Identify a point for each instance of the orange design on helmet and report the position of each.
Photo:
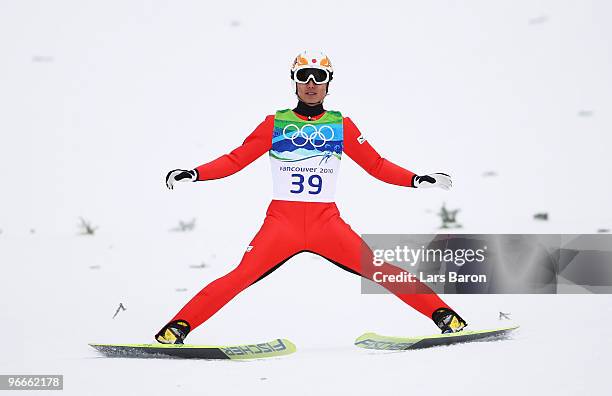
(314, 59)
(300, 61)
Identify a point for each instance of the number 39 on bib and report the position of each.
(305, 156)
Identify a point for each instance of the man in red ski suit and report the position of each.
(305, 147)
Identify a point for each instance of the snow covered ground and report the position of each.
(100, 99)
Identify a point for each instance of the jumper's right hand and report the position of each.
(180, 175)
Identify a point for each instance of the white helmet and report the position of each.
(313, 60)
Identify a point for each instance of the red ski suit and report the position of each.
(291, 227)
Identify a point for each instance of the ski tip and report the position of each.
(290, 345)
(364, 336)
(506, 329)
(514, 327)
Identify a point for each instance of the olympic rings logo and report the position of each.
(312, 137)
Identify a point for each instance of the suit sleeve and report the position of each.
(256, 144)
(365, 156)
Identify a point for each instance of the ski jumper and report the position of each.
(302, 217)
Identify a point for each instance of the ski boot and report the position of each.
(173, 333)
(448, 320)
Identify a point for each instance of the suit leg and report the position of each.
(336, 241)
(268, 250)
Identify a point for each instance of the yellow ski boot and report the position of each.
(448, 320)
(173, 333)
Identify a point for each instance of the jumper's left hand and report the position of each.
(441, 180)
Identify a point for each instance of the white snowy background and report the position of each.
(99, 99)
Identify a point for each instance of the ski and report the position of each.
(278, 347)
(377, 341)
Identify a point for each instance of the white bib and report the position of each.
(305, 156)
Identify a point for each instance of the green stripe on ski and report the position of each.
(377, 341)
(278, 347)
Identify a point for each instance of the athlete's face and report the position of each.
(311, 93)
